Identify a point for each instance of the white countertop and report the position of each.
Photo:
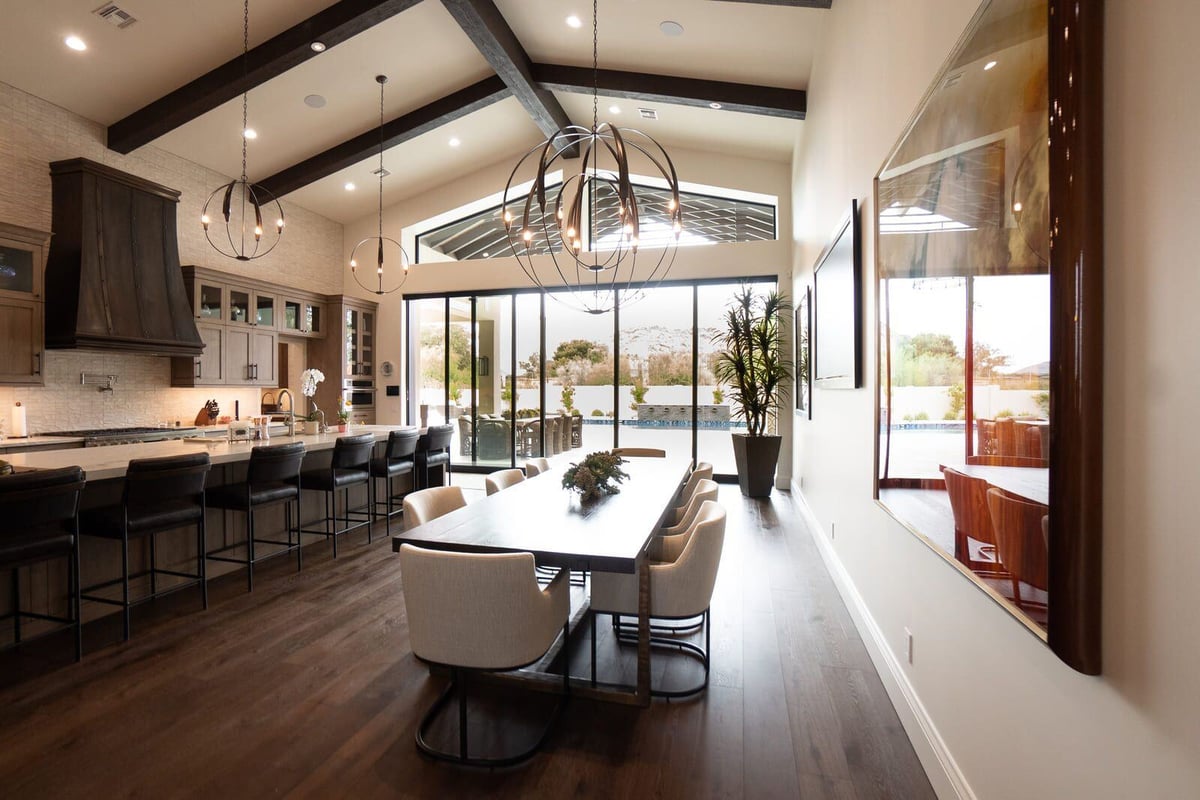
(40, 441)
(104, 463)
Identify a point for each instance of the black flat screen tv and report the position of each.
(837, 307)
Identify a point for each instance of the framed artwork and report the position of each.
(804, 353)
(837, 300)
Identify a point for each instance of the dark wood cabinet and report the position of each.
(22, 271)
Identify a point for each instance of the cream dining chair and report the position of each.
(702, 472)
(639, 452)
(427, 504)
(536, 466)
(502, 479)
(679, 589)
(479, 612)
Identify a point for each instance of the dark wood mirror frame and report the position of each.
(1075, 39)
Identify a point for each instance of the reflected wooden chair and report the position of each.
(502, 479)
(1021, 542)
(639, 452)
(972, 521)
(680, 589)
(479, 612)
(494, 439)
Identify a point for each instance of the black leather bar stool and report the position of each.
(350, 466)
(160, 494)
(397, 460)
(433, 452)
(39, 521)
(272, 477)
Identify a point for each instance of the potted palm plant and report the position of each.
(752, 361)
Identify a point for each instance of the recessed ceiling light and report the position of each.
(349, 187)
(317, 47)
(314, 101)
(250, 133)
(574, 21)
(455, 141)
(670, 28)
(614, 109)
(75, 43)
(988, 65)
(714, 105)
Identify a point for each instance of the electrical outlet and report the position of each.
(833, 530)
(909, 638)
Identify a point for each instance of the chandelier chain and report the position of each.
(595, 68)
(245, 49)
(381, 82)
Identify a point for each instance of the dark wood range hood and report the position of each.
(112, 277)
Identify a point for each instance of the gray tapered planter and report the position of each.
(756, 457)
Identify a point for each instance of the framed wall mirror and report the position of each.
(989, 319)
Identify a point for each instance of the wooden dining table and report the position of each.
(1030, 483)
(539, 516)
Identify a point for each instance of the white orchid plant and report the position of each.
(308, 387)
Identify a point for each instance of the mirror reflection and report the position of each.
(964, 312)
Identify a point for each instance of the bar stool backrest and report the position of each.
(353, 452)
(401, 445)
(275, 463)
(438, 437)
(42, 499)
(151, 482)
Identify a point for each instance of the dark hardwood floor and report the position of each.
(306, 688)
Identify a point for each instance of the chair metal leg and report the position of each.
(77, 614)
(16, 603)
(460, 679)
(202, 559)
(387, 524)
(593, 649)
(250, 548)
(370, 505)
(153, 562)
(125, 582)
(299, 536)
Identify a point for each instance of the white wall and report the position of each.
(1016, 721)
(716, 169)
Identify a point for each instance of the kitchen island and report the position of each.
(44, 586)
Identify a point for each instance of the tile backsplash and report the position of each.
(142, 394)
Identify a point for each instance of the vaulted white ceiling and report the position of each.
(426, 56)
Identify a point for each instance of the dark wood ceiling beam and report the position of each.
(399, 130)
(489, 32)
(273, 57)
(765, 100)
(793, 3)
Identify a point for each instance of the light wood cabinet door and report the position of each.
(237, 357)
(264, 352)
(206, 369)
(22, 335)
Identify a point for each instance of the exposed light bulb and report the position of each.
(574, 21)
(250, 133)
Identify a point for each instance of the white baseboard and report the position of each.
(943, 771)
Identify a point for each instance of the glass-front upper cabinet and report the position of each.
(299, 317)
(240, 306)
(366, 344)
(264, 310)
(22, 261)
(351, 342)
(209, 301)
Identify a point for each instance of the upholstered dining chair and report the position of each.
(428, 504)
(1021, 543)
(502, 479)
(702, 472)
(479, 612)
(536, 466)
(706, 489)
(639, 452)
(679, 589)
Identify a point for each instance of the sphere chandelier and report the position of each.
(592, 252)
(380, 240)
(243, 203)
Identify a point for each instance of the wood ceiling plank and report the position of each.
(489, 32)
(399, 130)
(769, 101)
(793, 3)
(273, 57)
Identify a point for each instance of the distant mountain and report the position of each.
(655, 339)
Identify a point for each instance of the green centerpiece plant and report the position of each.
(597, 475)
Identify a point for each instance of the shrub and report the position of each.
(1005, 412)
(921, 415)
(597, 412)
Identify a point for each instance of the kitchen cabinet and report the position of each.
(252, 307)
(22, 308)
(299, 317)
(21, 332)
(360, 342)
(350, 355)
(206, 369)
(208, 300)
(251, 357)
